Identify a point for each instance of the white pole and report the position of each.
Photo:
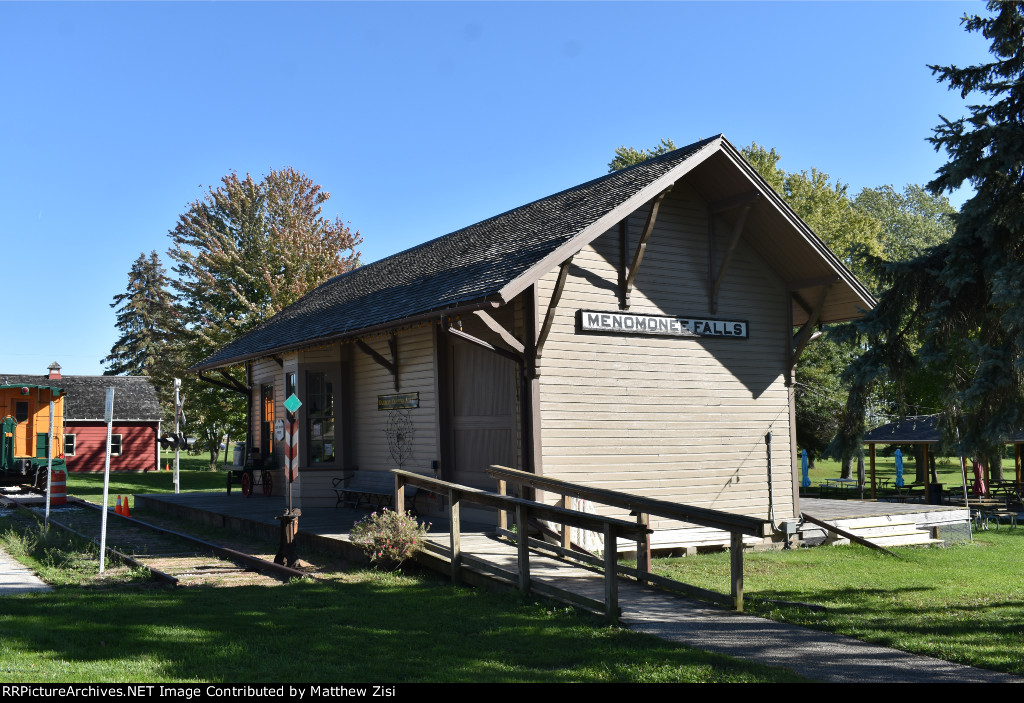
(49, 469)
(177, 412)
(108, 415)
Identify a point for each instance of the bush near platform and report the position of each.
(389, 537)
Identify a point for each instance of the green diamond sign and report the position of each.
(293, 403)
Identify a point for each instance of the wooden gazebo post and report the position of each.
(872, 445)
(927, 473)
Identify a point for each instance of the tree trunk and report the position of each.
(995, 465)
(847, 469)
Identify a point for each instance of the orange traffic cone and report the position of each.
(124, 508)
(117, 508)
(167, 465)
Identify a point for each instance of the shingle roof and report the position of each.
(912, 430)
(921, 429)
(471, 264)
(84, 396)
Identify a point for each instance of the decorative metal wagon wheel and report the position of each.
(249, 482)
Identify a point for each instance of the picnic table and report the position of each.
(838, 484)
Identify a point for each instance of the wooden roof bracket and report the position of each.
(231, 384)
(716, 282)
(801, 338)
(494, 326)
(279, 360)
(514, 356)
(628, 275)
(549, 316)
(391, 366)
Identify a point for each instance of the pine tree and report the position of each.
(144, 316)
(965, 298)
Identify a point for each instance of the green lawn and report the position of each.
(963, 603)
(194, 475)
(358, 626)
(946, 468)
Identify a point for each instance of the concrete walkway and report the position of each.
(15, 578)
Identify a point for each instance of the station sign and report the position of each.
(660, 325)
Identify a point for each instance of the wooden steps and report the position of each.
(884, 531)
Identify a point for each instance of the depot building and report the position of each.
(637, 332)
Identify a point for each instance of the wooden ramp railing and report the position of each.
(643, 508)
(523, 509)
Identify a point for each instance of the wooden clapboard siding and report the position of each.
(673, 418)
(263, 372)
(416, 374)
(137, 446)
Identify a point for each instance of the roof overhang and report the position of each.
(55, 390)
(436, 313)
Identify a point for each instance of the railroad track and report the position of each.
(172, 557)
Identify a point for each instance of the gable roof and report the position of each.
(492, 261)
(85, 396)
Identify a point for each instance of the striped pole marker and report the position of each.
(291, 451)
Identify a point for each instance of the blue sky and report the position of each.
(418, 118)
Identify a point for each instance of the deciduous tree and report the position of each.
(242, 253)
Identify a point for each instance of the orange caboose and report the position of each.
(25, 429)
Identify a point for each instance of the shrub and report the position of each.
(389, 538)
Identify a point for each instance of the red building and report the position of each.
(136, 424)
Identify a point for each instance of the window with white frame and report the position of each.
(69, 445)
(115, 445)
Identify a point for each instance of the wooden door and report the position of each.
(23, 412)
(484, 413)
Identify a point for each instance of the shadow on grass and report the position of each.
(378, 628)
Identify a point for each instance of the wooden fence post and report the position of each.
(736, 563)
(611, 577)
(566, 533)
(399, 501)
(524, 551)
(502, 515)
(643, 549)
(456, 532)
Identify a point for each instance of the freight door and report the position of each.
(484, 416)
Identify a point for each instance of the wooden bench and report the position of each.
(374, 489)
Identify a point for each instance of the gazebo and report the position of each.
(923, 431)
